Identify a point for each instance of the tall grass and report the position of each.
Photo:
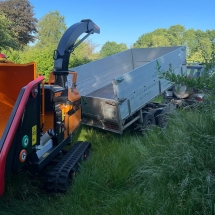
(167, 171)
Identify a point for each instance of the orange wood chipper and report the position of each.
(37, 120)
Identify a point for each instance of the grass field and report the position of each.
(162, 172)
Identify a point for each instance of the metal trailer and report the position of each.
(117, 91)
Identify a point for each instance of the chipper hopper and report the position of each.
(37, 120)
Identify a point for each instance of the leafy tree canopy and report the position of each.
(51, 28)
(22, 22)
(199, 43)
(6, 36)
(110, 48)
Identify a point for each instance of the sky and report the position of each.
(124, 21)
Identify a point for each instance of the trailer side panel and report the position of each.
(142, 84)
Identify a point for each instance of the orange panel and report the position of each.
(51, 78)
(12, 78)
(71, 122)
(75, 120)
(73, 95)
(49, 121)
(5, 112)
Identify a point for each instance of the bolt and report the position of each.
(35, 91)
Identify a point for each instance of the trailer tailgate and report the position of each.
(100, 112)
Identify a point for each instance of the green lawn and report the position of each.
(162, 172)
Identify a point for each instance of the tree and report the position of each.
(176, 35)
(205, 47)
(190, 42)
(159, 37)
(6, 36)
(159, 40)
(91, 49)
(42, 51)
(50, 29)
(110, 48)
(211, 35)
(144, 41)
(197, 42)
(22, 21)
(196, 56)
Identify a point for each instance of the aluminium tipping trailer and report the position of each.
(116, 89)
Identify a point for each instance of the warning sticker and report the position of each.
(34, 134)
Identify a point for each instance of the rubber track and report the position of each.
(59, 177)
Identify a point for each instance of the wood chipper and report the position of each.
(37, 120)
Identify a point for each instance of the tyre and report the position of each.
(161, 119)
(148, 120)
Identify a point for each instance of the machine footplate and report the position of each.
(61, 175)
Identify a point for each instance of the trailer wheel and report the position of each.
(161, 118)
(148, 120)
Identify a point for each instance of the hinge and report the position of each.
(121, 100)
(120, 79)
(183, 48)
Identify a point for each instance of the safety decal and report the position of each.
(34, 134)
